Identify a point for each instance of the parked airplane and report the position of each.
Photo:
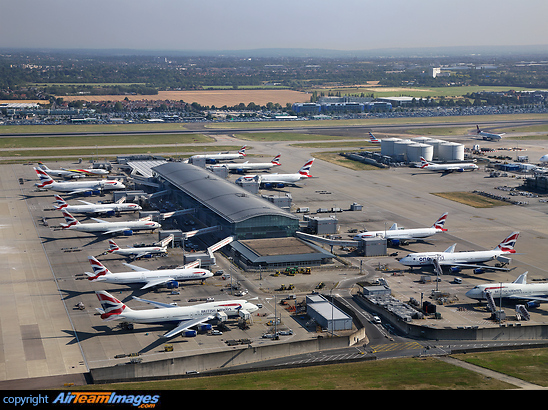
(248, 166)
(105, 227)
(518, 290)
(75, 187)
(447, 167)
(373, 139)
(64, 173)
(487, 135)
(463, 259)
(221, 156)
(395, 234)
(282, 179)
(90, 208)
(544, 158)
(90, 171)
(185, 316)
(167, 277)
(138, 252)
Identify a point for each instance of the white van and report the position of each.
(458, 280)
(377, 320)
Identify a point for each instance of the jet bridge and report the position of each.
(366, 246)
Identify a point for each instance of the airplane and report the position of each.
(247, 166)
(136, 253)
(151, 278)
(90, 171)
(519, 290)
(64, 173)
(395, 234)
(544, 158)
(90, 208)
(105, 227)
(281, 179)
(221, 156)
(487, 135)
(373, 139)
(461, 167)
(76, 187)
(463, 259)
(185, 316)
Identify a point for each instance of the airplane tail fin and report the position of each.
(478, 129)
(521, 279)
(112, 308)
(276, 160)
(424, 162)
(45, 179)
(440, 223)
(69, 219)
(61, 204)
(451, 249)
(507, 245)
(112, 246)
(394, 227)
(242, 151)
(305, 169)
(373, 139)
(43, 166)
(99, 269)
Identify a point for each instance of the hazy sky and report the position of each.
(249, 24)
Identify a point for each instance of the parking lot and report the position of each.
(44, 333)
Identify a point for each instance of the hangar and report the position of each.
(218, 202)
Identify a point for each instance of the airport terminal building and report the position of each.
(218, 202)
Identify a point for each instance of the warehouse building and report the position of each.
(327, 315)
(220, 203)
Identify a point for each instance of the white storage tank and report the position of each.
(416, 151)
(400, 149)
(451, 151)
(421, 140)
(387, 146)
(436, 145)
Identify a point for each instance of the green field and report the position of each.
(471, 199)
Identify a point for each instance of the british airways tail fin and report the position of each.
(70, 220)
(507, 245)
(111, 308)
(276, 160)
(440, 222)
(305, 169)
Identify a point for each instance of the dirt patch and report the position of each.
(217, 98)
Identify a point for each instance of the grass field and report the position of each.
(471, 199)
(396, 374)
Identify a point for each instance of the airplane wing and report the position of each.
(184, 325)
(468, 265)
(153, 302)
(99, 220)
(80, 191)
(531, 298)
(156, 282)
(116, 230)
(85, 202)
(136, 268)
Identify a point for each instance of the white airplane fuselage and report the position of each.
(402, 234)
(248, 166)
(154, 250)
(109, 226)
(85, 185)
(177, 314)
(446, 258)
(102, 208)
(218, 157)
(509, 290)
(451, 167)
(179, 275)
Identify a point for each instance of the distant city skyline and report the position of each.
(245, 24)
